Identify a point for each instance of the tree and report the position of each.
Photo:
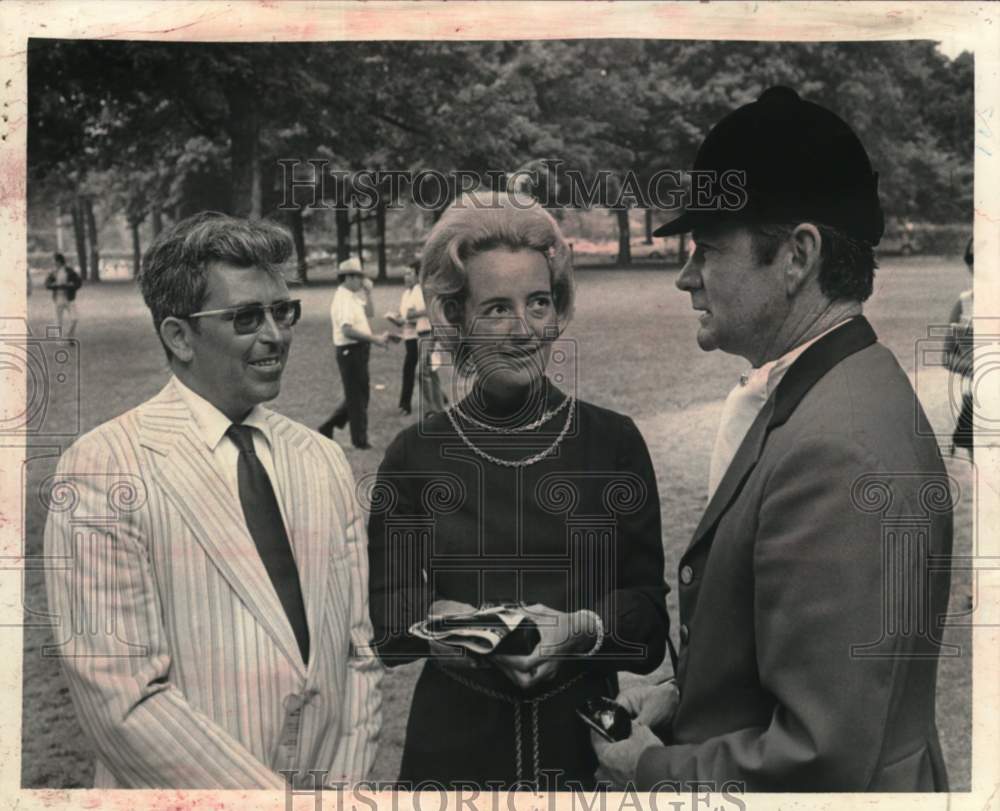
(609, 144)
(80, 237)
(188, 126)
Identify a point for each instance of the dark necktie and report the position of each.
(263, 517)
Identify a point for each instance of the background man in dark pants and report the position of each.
(352, 339)
(958, 351)
(412, 317)
(64, 281)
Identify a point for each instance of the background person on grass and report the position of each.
(959, 353)
(412, 317)
(64, 281)
(352, 339)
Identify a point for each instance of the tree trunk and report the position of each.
(94, 254)
(244, 159)
(649, 226)
(361, 242)
(136, 249)
(343, 233)
(624, 238)
(380, 241)
(59, 230)
(81, 238)
(157, 219)
(299, 238)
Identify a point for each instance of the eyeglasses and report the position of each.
(249, 318)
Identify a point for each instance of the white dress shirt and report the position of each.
(413, 297)
(348, 308)
(744, 404)
(211, 426)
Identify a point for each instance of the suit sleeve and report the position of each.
(113, 647)
(362, 702)
(634, 614)
(818, 573)
(399, 595)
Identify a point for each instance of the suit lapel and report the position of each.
(184, 469)
(311, 537)
(737, 473)
(803, 374)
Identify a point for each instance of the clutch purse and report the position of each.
(607, 718)
(505, 629)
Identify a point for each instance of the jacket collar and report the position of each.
(185, 471)
(853, 336)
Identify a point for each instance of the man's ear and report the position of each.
(176, 334)
(804, 258)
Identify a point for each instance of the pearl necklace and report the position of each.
(528, 460)
(548, 415)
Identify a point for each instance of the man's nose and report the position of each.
(688, 278)
(515, 324)
(270, 331)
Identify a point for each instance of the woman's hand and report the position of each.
(523, 671)
(447, 608)
(562, 635)
(445, 654)
(651, 704)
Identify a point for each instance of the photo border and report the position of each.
(972, 26)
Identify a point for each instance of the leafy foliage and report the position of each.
(186, 126)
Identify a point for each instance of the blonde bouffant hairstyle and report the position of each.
(483, 221)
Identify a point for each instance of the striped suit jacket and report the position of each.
(182, 665)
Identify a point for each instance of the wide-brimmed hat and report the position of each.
(803, 163)
(351, 265)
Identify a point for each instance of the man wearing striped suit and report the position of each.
(211, 597)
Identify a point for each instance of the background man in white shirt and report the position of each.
(211, 615)
(352, 339)
(810, 622)
(412, 317)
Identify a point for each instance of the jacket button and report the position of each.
(685, 634)
(687, 575)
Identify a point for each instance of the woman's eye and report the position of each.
(540, 305)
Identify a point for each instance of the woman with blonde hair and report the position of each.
(519, 494)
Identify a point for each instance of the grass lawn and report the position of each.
(634, 336)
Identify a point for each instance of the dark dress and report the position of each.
(578, 530)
